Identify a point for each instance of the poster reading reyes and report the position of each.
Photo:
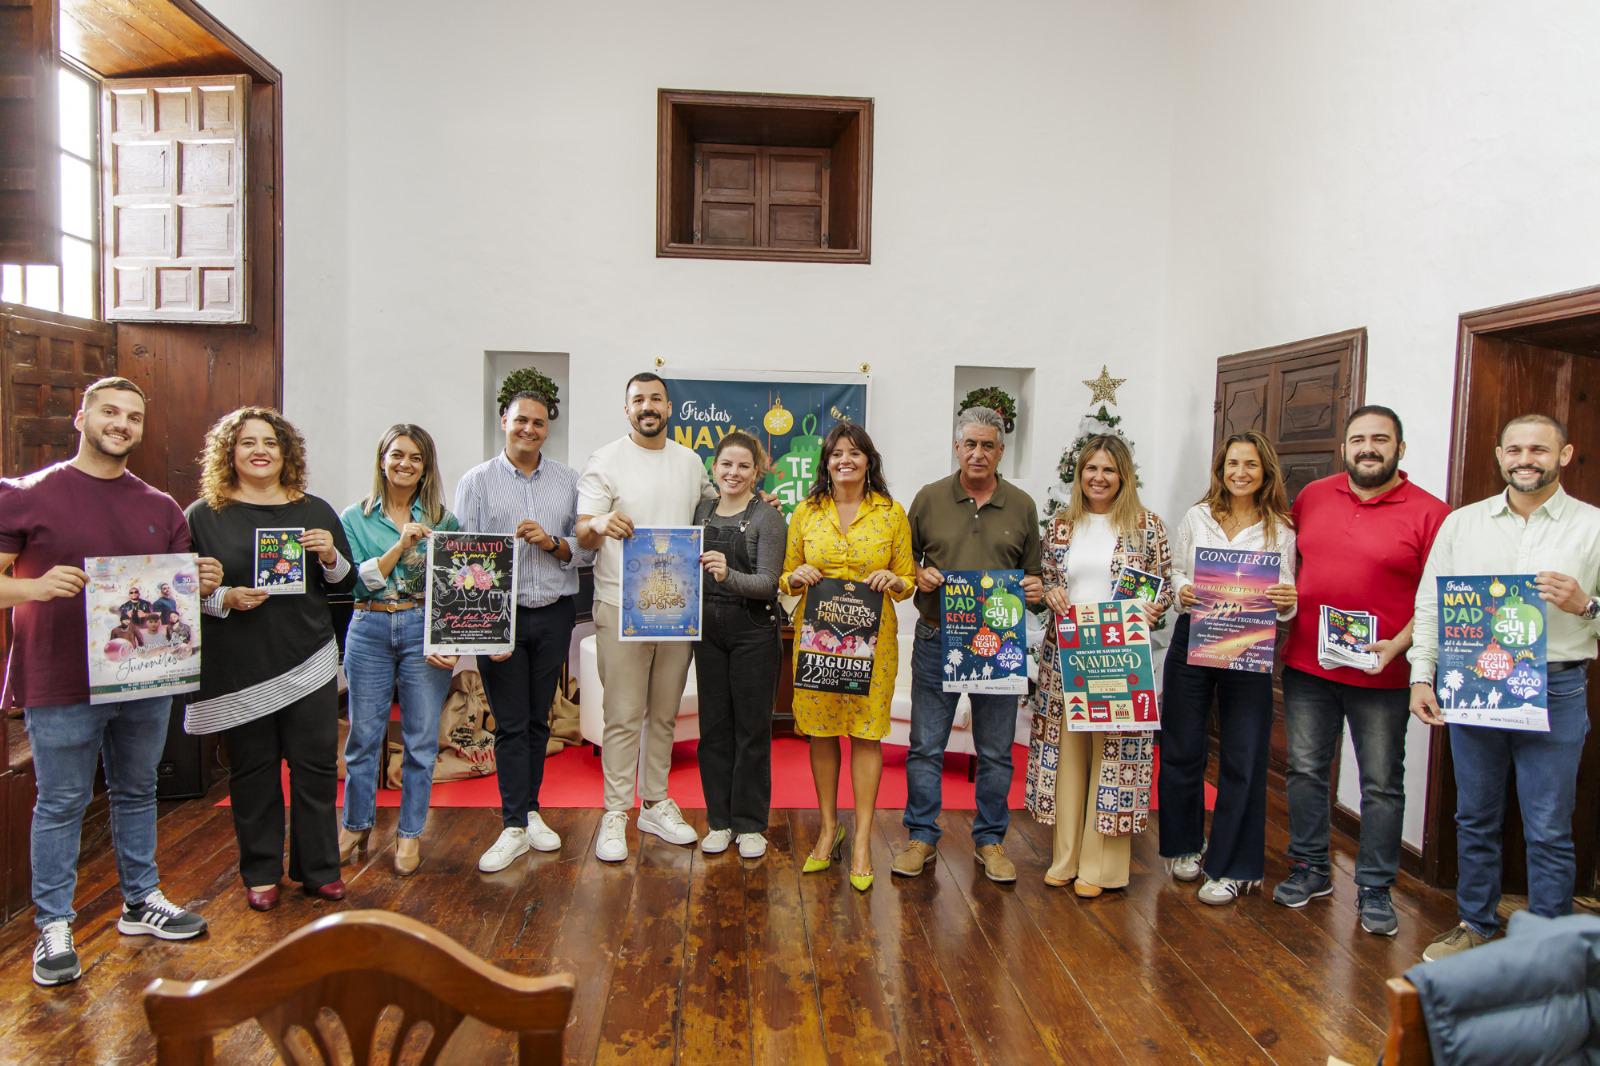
(1492, 668)
(472, 594)
(661, 584)
(1107, 674)
(984, 639)
(143, 613)
(838, 637)
(1235, 625)
(280, 561)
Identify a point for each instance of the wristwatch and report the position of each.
(555, 546)
(1591, 612)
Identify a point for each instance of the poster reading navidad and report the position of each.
(280, 561)
(838, 637)
(472, 594)
(1107, 673)
(789, 414)
(143, 613)
(985, 643)
(1492, 668)
(661, 584)
(1235, 625)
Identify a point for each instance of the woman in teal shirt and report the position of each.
(383, 648)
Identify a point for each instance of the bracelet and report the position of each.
(1428, 683)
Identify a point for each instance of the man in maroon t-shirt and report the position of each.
(50, 522)
(1363, 537)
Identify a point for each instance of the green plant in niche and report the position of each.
(528, 379)
(996, 399)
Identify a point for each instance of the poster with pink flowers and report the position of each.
(472, 594)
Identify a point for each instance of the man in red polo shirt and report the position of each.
(1363, 537)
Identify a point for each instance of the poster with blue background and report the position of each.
(1492, 669)
(661, 584)
(789, 414)
(985, 642)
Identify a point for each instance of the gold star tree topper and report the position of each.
(1104, 387)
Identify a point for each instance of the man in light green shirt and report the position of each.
(1532, 527)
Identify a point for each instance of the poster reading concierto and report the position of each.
(143, 614)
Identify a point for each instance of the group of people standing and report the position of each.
(1364, 536)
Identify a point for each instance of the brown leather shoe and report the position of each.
(407, 856)
(261, 899)
(918, 853)
(992, 857)
(350, 842)
(333, 890)
(1085, 890)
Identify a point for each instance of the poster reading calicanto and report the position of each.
(1235, 625)
(838, 637)
(1107, 674)
(143, 614)
(472, 594)
(985, 642)
(1492, 668)
(661, 584)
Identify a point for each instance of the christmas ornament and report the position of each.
(1001, 610)
(985, 642)
(1517, 623)
(793, 472)
(1495, 662)
(1525, 681)
(777, 420)
(1104, 387)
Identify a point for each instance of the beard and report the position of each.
(109, 448)
(1377, 477)
(1546, 477)
(649, 431)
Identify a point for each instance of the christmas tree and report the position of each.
(1096, 424)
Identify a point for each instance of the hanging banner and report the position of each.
(789, 414)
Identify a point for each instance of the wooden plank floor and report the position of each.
(681, 958)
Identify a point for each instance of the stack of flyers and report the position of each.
(1340, 635)
(1135, 584)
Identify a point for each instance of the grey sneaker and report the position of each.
(1185, 867)
(55, 961)
(1302, 886)
(159, 917)
(1377, 911)
(1220, 891)
(1453, 942)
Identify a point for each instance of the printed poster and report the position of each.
(1107, 673)
(985, 642)
(838, 637)
(143, 614)
(789, 414)
(280, 561)
(1235, 625)
(661, 584)
(471, 594)
(1136, 584)
(1492, 669)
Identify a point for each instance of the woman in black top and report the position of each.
(736, 660)
(268, 669)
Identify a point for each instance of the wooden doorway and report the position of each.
(1298, 395)
(1540, 355)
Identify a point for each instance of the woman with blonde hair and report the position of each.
(1245, 508)
(267, 678)
(1102, 529)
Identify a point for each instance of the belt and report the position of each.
(1569, 664)
(386, 606)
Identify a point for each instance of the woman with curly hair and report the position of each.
(267, 678)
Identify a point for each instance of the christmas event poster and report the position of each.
(143, 614)
(1235, 625)
(1492, 669)
(661, 584)
(1107, 672)
(471, 599)
(1135, 584)
(280, 561)
(985, 641)
(838, 637)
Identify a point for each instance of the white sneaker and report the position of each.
(504, 851)
(1219, 891)
(752, 845)
(611, 843)
(716, 842)
(666, 821)
(540, 836)
(1185, 867)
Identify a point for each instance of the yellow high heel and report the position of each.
(861, 882)
(816, 865)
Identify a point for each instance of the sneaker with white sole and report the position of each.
(1185, 867)
(716, 842)
(540, 836)
(512, 843)
(55, 961)
(159, 917)
(751, 845)
(1219, 891)
(666, 821)
(611, 842)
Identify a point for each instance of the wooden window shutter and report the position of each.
(30, 173)
(173, 199)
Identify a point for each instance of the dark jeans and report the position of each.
(305, 734)
(933, 712)
(1317, 710)
(520, 690)
(1238, 844)
(1545, 766)
(736, 673)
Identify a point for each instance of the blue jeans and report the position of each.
(380, 651)
(68, 740)
(1316, 710)
(933, 712)
(1546, 775)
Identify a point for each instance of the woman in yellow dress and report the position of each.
(849, 527)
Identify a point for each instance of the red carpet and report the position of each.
(573, 779)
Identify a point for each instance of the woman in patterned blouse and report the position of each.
(1103, 529)
(849, 527)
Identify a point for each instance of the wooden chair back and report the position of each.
(1407, 1041)
(357, 964)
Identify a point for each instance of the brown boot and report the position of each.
(407, 855)
(918, 853)
(992, 857)
(350, 842)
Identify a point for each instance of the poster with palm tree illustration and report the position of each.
(1492, 669)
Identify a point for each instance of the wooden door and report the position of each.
(752, 197)
(1298, 396)
(30, 207)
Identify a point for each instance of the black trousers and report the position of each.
(1238, 844)
(736, 672)
(520, 690)
(305, 734)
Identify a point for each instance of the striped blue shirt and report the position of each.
(493, 497)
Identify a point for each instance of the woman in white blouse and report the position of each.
(1245, 509)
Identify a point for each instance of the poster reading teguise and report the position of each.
(472, 594)
(661, 584)
(1492, 668)
(1107, 674)
(144, 626)
(838, 637)
(1235, 625)
(985, 645)
(280, 561)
